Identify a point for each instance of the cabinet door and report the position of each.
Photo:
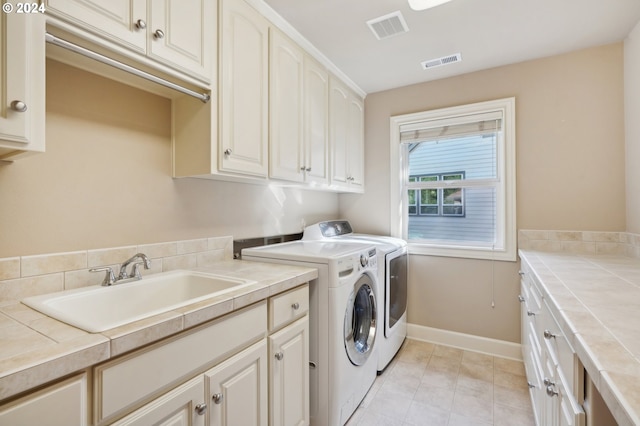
(22, 83)
(316, 122)
(338, 128)
(286, 156)
(118, 20)
(237, 389)
(289, 375)
(62, 404)
(183, 406)
(182, 34)
(355, 143)
(243, 90)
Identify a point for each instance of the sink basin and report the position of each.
(97, 308)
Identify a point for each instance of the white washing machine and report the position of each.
(392, 280)
(343, 321)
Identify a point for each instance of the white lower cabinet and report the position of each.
(289, 373)
(554, 374)
(183, 406)
(62, 404)
(237, 389)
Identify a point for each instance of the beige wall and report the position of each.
(570, 175)
(632, 127)
(105, 180)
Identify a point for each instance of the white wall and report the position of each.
(632, 127)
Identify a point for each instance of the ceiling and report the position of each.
(487, 33)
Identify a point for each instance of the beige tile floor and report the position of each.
(433, 385)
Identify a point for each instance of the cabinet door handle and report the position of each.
(279, 356)
(218, 398)
(18, 106)
(521, 273)
(549, 335)
(228, 152)
(531, 385)
(551, 392)
(158, 34)
(531, 314)
(520, 298)
(201, 409)
(547, 382)
(140, 24)
(295, 306)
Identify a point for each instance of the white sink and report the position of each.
(97, 308)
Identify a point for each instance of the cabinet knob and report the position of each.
(531, 314)
(520, 298)
(295, 306)
(218, 398)
(547, 382)
(521, 273)
(18, 106)
(549, 335)
(228, 152)
(140, 24)
(531, 385)
(551, 391)
(308, 169)
(279, 356)
(201, 409)
(158, 34)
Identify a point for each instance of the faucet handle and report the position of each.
(109, 278)
(135, 272)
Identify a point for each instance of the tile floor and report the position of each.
(432, 385)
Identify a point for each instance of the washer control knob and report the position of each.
(364, 260)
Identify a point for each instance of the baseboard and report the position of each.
(468, 342)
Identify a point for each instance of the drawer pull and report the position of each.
(531, 314)
(551, 392)
(217, 398)
(140, 24)
(279, 356)
(520, 298)
(201, 409)
(295, 306)
(549, 335)
(521, 273)
(18, 106)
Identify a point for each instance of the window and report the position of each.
(436, 202)
(454, 194)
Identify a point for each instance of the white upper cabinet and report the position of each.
(286, 147)
(316, 122)
(244, 90)
(346, 124)
(178, 33)
(299, 124)
(22, 84)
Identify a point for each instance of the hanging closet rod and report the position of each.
(50, 38)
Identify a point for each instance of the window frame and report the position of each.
(506, 245)
(440, 205)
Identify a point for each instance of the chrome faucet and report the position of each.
(136, 260)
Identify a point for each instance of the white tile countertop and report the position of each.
(597, 299)
(36, 349)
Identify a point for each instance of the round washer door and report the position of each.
(360, 321)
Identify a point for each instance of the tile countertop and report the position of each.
(596, 299)
(36, 349)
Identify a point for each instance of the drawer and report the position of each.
(558, 346)
(127, 382)
(289, 306)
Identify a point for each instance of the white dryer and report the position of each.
(343, 321)
(392, 280)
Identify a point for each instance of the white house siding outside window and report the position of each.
(453, 180)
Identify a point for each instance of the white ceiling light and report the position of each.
(425, 4)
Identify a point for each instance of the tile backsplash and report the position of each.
(26, 276)
(581, 242)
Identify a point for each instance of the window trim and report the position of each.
(505, 204)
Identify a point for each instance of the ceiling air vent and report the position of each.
(445, 60)
(388, 25)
